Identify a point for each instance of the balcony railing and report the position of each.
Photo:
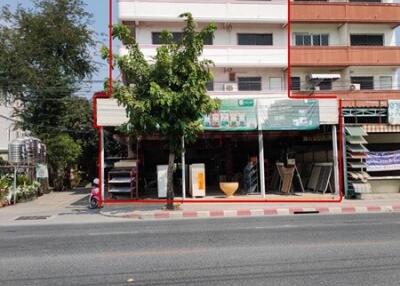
(344, 12)
(234, 88)
(357, 98)
(341, 56)
(234, 56)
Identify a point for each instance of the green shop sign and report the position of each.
(233, 115)
(272, 114)
(288, 114)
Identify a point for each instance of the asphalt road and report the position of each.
(302, 250)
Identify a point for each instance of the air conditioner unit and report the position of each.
(355, 86)
(230, 87)
(317, 88)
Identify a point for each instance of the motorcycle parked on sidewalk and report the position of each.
(94, 197)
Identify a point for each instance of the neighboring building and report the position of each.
(349, 49)
(7, 129)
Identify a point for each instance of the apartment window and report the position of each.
(210, 85)
(249, 83)
(275, 83)
(325, 84)
(366, 40)
(365, 82)
(295, 83)
(177, 38)
(255, 39)
(311, 39)
(385, 82)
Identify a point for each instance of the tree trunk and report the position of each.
(170, 181)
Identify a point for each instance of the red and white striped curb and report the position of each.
(151, 215)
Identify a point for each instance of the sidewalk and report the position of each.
(378, 203)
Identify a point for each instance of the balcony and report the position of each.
(357, 98)
(223, 11)
(342, 56)
(342, 12)
(235, 89)
(234, 56)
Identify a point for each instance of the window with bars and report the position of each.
(305, 39)
(210, 85)
(366, 40)
(249, 83)
(255, 39)
(325, 84)
(365, 82)
(295, 83)
(176, 37)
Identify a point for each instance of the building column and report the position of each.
(261, 161)
(101, 164)
(335, 159)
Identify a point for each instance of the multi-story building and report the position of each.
(249, 50)
(348, 48)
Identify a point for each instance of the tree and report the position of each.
(63, 153)
(167, 96)
(45, 55)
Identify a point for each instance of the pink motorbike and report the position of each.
(94, 197)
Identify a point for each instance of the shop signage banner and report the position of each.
(394, 112)
(233, 115)
(383, 161)
(287, 114)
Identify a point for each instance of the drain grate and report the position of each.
(33, 217)
(306, 212)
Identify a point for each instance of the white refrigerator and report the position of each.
(197, 180)
(162, 178)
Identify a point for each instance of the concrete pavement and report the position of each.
(53, 208)
(369, 204)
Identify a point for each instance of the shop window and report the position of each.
(366, 40)
(365, 82)
(249, 83)
(302, 39)
(255, 39)
(176, 37)
(295, 83)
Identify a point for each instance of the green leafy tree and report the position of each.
(167, 96)
(45, 54)
(63, 153)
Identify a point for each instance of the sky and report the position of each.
(99, 9)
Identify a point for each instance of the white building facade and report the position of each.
(250, 47)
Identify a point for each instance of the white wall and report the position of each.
(7, 132)
(204, 10)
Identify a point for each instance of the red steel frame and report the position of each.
(315, 96)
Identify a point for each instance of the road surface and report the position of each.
(295, 250)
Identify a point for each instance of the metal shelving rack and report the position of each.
(356, 154)
(123, 180)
